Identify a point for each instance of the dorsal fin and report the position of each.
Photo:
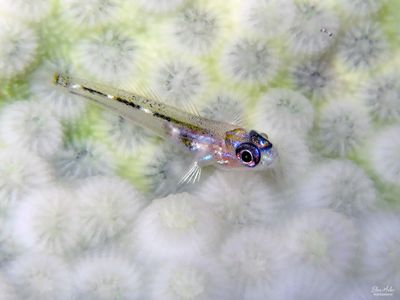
(237, 120)
(151, 93)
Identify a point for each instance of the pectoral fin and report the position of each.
(192, 175)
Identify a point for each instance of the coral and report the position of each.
(315, 78)
(7, 291)
(109, 56)
(363, 46)
(46, 221)
(293, 160)
(25, 124)
(225, 108)
(107, 207)
(190, 280)
(361, 7)
(123, 134)
(268, 18)
(196, 29)
(322, 241)
(32, 10)
(178, 81)
(254, 259)
(385, 156)
(90, 13)
(284, 110)
(40, 277)
(381, 242)
(164, 170)
(9, 249)
(175, 226)
(342, 127)
(21, 173)
(252, 202)
(314, 28)
(381, 94)
(63, 104)
(160, 6)
(18, 48)
(106, 276)
(339, 185)
(250, 60)
(82, 158)
(304, 285)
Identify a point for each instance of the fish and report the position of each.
(213, 143)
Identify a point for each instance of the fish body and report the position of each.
(212, 142)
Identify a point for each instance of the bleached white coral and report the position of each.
(381, 242)
(60, 101)
(316, 79)
(196, 29)
(225, 108)
(165, 169)
(293, 157)
(314, 28)
(322, 240)
(194, 280)
(381, 94)
(107, 207)
(386, 154)
(361, 7)
(28, 125)
(83, 158)
(90, 12)
(160, 6)
(178, 81)
(7, 291)
(268, 18)
(46, 221)
(250, 60)
(41, 277)
(363, 46)
(18, 48)
(252, 202)
(31, 10)
(21, 172)
(300, 284)
(340, 185)
(9, 248)
(284, 110)
(109, 56)
(123, 134)
(175, 226)
(108, 276)
(342, 128)
(254, 259)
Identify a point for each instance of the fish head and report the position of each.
(250, 149)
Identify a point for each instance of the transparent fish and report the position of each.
(224, 145)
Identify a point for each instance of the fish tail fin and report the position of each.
(61, 79)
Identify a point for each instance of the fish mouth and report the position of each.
(270, 156)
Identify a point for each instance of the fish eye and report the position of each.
(248, 154)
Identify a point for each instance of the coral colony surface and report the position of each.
(90, 206)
